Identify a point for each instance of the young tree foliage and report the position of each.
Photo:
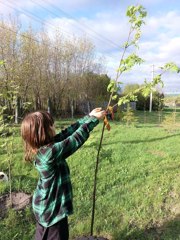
(136, 16)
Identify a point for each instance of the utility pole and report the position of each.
(17, 110)
(150, 103)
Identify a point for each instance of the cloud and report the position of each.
(106, 33)
(164, 23)
(83, 5)
(71, 5)
(5, 10)
(20, 11)
(170, 50)
(159, 44)
(106, 25)
(7, 7)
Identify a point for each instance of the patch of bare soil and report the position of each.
(19, 201)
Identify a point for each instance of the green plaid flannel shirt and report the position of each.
(52, 199)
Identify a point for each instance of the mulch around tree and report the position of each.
(19, 201)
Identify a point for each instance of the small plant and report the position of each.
(129, 116)
(118, 114)
(169, 123)
(7, 127)
(8, 116)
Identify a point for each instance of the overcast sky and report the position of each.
(105, 23)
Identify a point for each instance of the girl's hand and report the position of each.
(98, 113)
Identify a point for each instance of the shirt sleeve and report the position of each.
(71, 129)
(72, 143)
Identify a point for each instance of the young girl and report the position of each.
(52, 199)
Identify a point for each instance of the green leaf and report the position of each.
(129, 62)
(146, 91)
(130, 11)
(114, 97)
(112, 87)
(136, 15)
(172, 67)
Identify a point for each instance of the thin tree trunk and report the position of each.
(17, 110)
(95, 180)
(72, 108)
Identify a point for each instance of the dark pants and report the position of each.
(59, 231)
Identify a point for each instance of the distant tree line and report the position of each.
(49, 72)
(142, 102)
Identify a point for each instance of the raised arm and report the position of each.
(47, 157)
(71, 144)
(72, 128)
(68, 146)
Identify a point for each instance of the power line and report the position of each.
(102, 38)
(27, 37)
(29, 14)
(33, 16)
(48, 10)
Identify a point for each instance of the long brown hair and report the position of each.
(36, 130)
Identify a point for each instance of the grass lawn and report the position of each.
(138, 188)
